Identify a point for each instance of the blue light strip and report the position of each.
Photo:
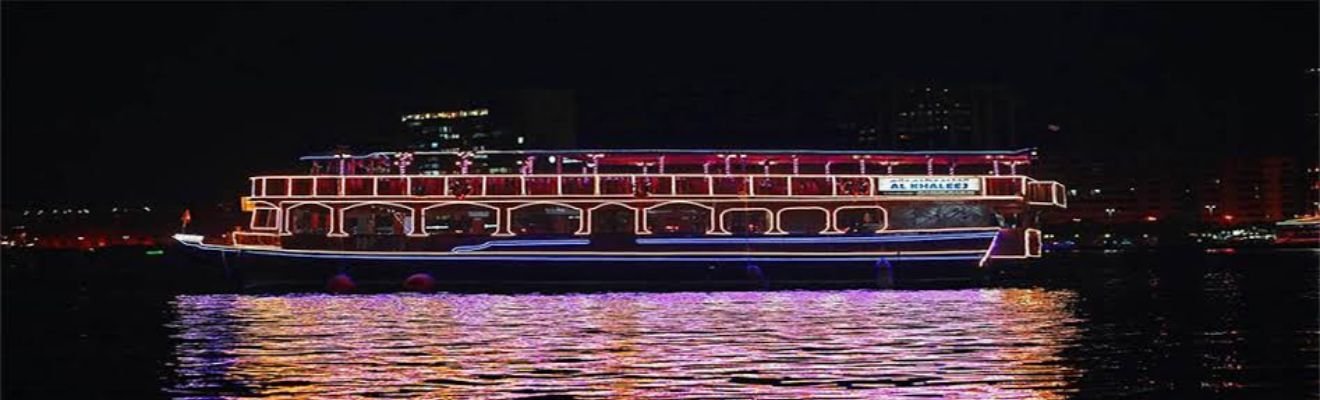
(520, 243)
(822, 239)
(610, 258)
(970, 255)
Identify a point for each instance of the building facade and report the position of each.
(526, 119)
(1237, 191)
(455, 130)
(934, 117)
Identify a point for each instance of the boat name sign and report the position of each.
(950, 185)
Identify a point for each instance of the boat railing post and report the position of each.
(502, 222)
(418, 222)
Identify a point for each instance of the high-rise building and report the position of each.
(526, 119)
(931, 117)
(455, 130)
(937, 117)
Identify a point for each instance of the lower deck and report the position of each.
(970, 245)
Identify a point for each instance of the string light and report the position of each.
(643, 194)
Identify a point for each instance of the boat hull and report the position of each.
(884, 260)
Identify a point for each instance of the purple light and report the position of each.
(823, 239)
(520, 243)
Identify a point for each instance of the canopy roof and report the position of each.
(702, 156)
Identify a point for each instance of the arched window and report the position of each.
(377, 220)
(860, 219)
(545, 219)
(746, 221)
(804, 220)
(310, 219)
(678, 218)
(461, 219)
(265, 218)
(615, 219)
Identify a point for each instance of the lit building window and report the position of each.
(520, 140)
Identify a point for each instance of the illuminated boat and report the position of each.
(1298, 232)
(619, 213)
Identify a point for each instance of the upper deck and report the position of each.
(613, 174)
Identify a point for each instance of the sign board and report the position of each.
(930, 185)
(246, 204)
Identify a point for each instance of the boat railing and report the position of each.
(634, 185)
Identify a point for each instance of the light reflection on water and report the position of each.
(987, 343)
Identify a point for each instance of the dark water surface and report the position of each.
(1102, 326)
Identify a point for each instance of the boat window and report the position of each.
(859, 219)
(264, 218)
(460, 219)
(678, 218)
(377, 220)
(613, 219)
(743, 222)
(804, 221)
(545, 219)
(309, 219)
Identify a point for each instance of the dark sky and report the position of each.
(180, 102)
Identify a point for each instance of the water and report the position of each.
(1135, 326)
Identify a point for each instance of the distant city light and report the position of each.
(448, 114)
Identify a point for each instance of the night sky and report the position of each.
(169, 103)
